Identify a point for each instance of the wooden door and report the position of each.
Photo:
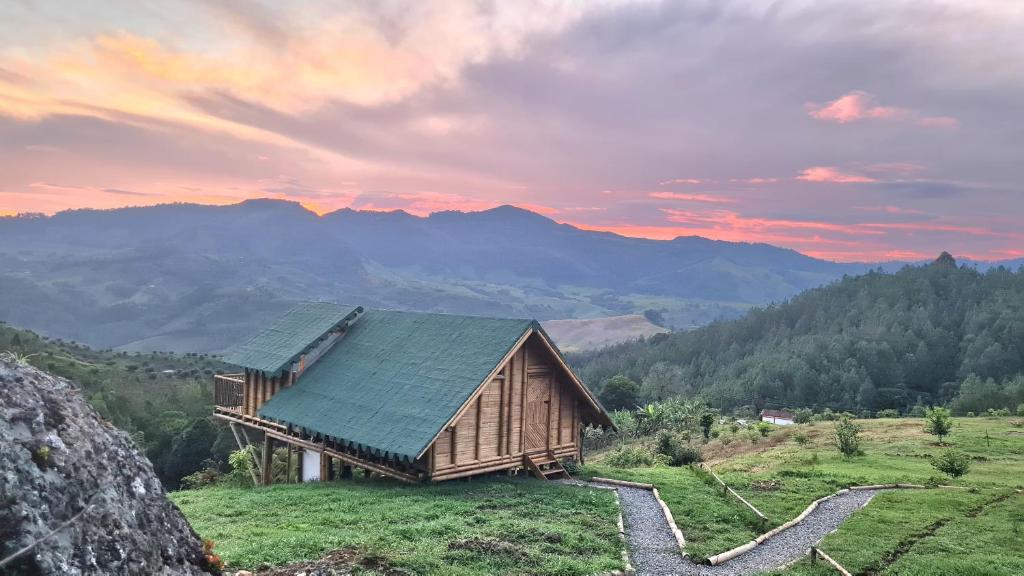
(538, 397)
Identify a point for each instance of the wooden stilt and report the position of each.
(267, 461)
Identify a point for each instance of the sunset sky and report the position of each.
(856, 130)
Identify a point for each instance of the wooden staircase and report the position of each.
(545, 466)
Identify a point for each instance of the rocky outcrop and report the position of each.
(79, 490)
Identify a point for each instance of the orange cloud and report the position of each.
(692, 197)
(831, 174)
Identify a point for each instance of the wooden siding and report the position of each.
(530, 406)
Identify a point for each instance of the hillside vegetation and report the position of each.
(575, 335)
(931, 334)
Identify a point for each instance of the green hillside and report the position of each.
(933, 334)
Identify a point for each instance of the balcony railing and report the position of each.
(228, 391)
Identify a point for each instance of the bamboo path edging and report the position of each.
(817, 553)
(671, 523)
(739, 550)
(729, 490)
(626, 483)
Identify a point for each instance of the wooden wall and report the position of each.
(490, 433)
(258, 389)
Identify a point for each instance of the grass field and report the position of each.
(519, 526)
(905, 533)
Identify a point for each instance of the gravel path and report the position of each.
(653, 550)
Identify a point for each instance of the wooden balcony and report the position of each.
(228, 392)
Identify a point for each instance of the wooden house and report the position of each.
(407, 395)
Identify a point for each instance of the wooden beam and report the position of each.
(455, 444)
(501, 412)
(508, 407)
(551, 404)
(347, 458)
(522, 400)
(267, 460)
(479, 416)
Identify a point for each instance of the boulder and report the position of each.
(77, 492)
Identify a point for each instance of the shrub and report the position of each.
(241, 462)
(802, 415)
(625, 421)
(801, 438)
(764, 429)
(888, 413)
(952, 462)
(847, 438)
(572, 466)
(208, 476)
(753, 436)
(1020, 410)
(676, 452)
(917, 411)
(629, 457)
(938, 422)
(971, 414)
(1003, 412)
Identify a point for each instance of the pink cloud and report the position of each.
(859, 105)
(939, 122)
(854, 106)
(832, 175)
(680, 181)
(692, 197)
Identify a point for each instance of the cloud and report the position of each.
(855, 106)
(708, 198)
(832, 175)
(859, 105)
(545, 104)
(681, 181)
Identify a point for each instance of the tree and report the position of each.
(952, 462)
(847, 437)
(938, 422)
(619, 392)
(707, 420)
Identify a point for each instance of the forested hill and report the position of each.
(862, 343)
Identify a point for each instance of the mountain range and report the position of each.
(187, 277)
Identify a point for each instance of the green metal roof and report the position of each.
(396, 378)
(292, 335)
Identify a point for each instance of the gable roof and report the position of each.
(396, 378)
(777, 414)
(289, 337)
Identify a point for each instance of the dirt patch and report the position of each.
(491, 546)
(335, 563)
(766, 485)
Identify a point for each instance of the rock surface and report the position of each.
(60, 462)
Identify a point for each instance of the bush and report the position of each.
(917, 411)
(1020, 410)
(629, 457)
(971, 414)
(952, 462)
(888, 413)
(707, 420)
(675, 451)
(764, 429)
(847, 438)
(801, 438)
(802, 415)
(572, 466)
(208, 476)
(938, 422)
